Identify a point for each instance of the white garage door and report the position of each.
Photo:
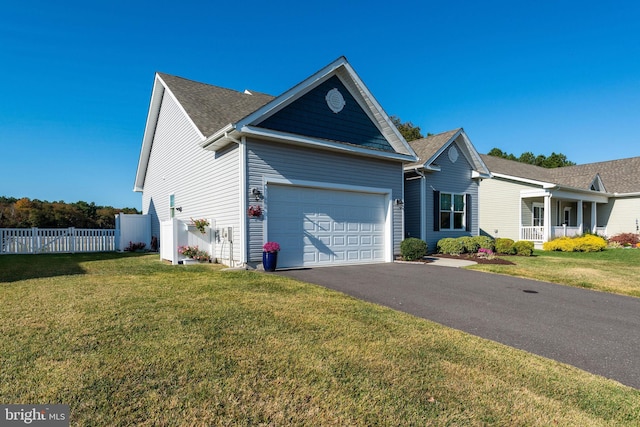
(325, 227)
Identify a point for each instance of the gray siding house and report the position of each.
(322, 162)
(441, 188)
(526, 202)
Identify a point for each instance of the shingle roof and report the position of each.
(427, 147)
(618, 176)
(212, 107)
(517, 169)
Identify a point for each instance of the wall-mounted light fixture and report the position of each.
(256, 193)
(398, 202)
(179, 208)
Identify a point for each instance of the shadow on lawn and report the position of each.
(23, 267)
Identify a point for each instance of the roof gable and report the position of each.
(430, 148)
(221, 116)
(617, 176)
(357, 92)
(328, 111)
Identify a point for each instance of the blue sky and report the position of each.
(542, 76)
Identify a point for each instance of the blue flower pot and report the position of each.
(269, 260)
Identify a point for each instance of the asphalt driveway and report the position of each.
(594, 331)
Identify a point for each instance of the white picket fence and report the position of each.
(56, 240)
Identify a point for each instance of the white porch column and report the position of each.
(594, 216)
(547, 217)
(580, 217)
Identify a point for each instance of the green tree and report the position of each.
(408, 130)
(496, 152)
(527, 157)
(555, 160)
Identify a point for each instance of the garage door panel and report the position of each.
(366, 241)
(338, 241)
(326, 227)
(353, 227)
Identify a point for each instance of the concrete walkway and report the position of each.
(595, 331)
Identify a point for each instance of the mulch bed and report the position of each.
(479, 260)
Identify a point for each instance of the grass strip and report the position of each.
(128, 340)
(613, 270)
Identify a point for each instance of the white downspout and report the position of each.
(242, 146)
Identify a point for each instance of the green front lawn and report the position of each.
(612, 270)
(127, 340)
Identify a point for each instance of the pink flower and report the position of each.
(271, 247)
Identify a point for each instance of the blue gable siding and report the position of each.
(311, 116)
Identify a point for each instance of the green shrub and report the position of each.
(485, 242)
(587, 243)
(470, 245)
(412, 249)
(450, 246)
(524, 247)
(505, 246)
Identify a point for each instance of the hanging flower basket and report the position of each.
(254, 211)
(200, 224)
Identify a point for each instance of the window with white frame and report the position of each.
(538, 215)
(172, 206)
(452, 211)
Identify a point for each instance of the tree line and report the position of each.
(555, 160)
(27, 213)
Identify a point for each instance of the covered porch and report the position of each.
(547, 214)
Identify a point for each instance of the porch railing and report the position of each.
(565, 231)
(537, 233)
(532, 233)
(601, 231)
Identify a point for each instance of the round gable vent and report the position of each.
(335, 100)
(453, 154)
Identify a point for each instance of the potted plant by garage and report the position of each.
(270, 256)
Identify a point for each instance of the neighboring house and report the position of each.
(526, 202)
(441, 189)
(323, 162)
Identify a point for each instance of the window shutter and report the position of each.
(468, 212)
(436, 210)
